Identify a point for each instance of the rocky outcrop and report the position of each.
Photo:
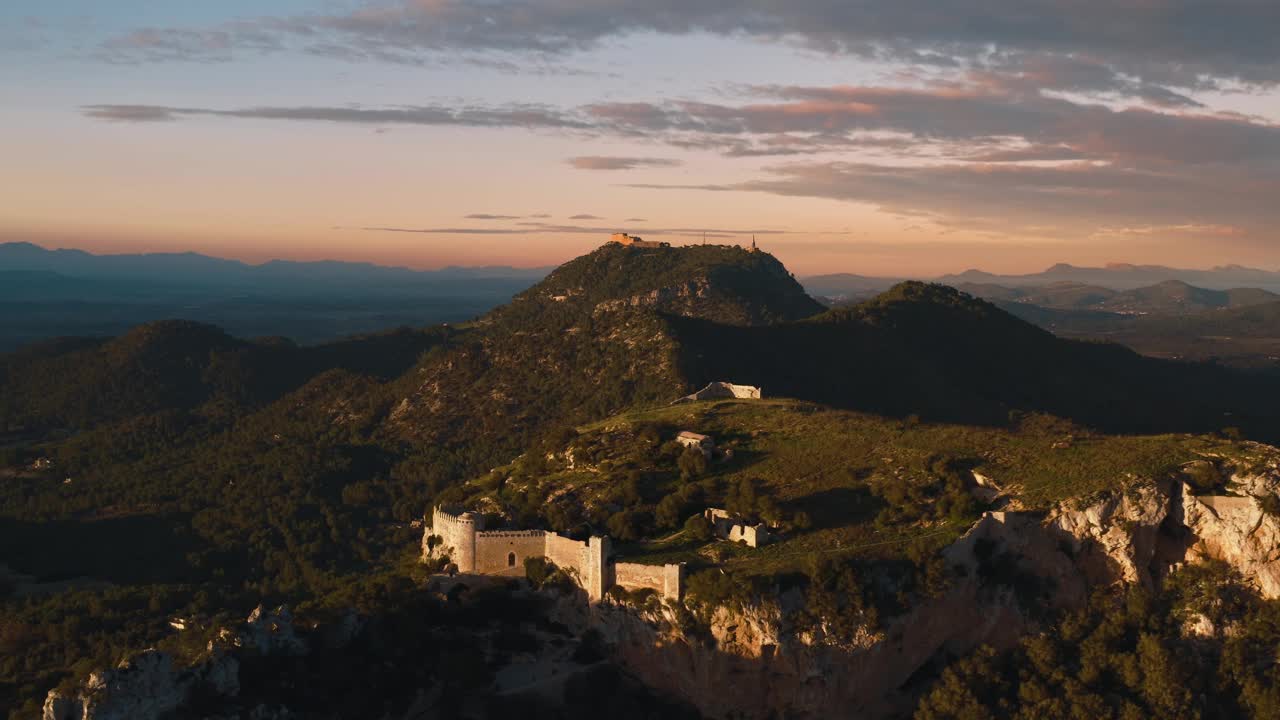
(1239, 529)
(755, 662)
(145, 686)
(676, 298)
(1114, 537)
(271, 633)
(1137, 535)
(151, 685)
(764, 660)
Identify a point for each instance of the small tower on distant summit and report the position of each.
(754, 248)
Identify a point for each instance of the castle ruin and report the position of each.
(462, 537)
(727, 526)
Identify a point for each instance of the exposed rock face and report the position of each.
(271, 633)
(1137, 535)
(143, 687)
(1115, 537)
(150, 685)
(1238, 530)
(680, 298)
(756, 664)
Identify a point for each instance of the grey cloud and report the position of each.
(488, 216)
(599, 162)
(512, 115)
(131, 113)
(974, 122)
(585, 216)
(820, 119)
(534, 228)
(1179, 43)
(1017, 199)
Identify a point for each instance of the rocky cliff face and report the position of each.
(753, 663)
(145, 686)
(152, 685)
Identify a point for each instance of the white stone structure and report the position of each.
(731, 528)
(721, 390)
(689, 439)
(462, 538)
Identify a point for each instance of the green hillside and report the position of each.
(838, 485)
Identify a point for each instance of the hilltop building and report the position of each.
(462, 538)
(720, 390)
(635, 241)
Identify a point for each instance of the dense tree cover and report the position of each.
(1128, 655)
(933, 352)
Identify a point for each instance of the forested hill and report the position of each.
(932, 351)
(725, 284)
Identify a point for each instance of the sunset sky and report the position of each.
(907, 137)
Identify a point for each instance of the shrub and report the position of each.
(626, 525)
(669, 511)
(692, 464)
(698, 528)
(537, 570)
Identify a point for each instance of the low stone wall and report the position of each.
(667, 580)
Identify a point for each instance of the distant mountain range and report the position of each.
(1110, 277)
(1169, 297)
(47, 293)
(194, 273)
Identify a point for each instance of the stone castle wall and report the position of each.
(567, 553)
(503, 552)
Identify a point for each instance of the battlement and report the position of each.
(510, 534)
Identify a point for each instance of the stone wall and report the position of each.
(667, 580)
(567, 553)
(731, 528)
(752, 535)
(504, 552)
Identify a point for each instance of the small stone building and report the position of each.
(732, 528)
(690, 439)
